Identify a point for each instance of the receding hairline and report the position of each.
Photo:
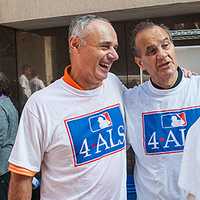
(143, 26)
(79, 24)
(150, 28)
(78, 28)
(91, 27)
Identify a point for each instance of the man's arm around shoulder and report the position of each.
(20, 187)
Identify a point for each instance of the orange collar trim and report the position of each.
(68, 79)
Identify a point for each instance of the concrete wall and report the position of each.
(188, 57)
(20, 10)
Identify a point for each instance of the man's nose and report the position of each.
(113, 54)
(162, 53)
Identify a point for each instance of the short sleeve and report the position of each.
(28, 151)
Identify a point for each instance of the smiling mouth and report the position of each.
(105, 66)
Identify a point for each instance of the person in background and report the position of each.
(159, 114)
(25, 90)
(36, 83)
(8, 131)
(80, 156)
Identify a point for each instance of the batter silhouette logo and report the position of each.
(100, 122)
(174, 120)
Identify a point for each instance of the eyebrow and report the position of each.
(153, 45)
(108, 43)
(166, 39)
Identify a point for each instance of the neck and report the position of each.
(83, 83)
(171, 82)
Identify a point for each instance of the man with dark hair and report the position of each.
(159, 114)
(73, 130)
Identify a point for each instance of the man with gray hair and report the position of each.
(160, 112)
(60, 131)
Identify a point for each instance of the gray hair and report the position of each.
(143, 26)
(79, 24)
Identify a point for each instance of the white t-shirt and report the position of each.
(77, 138)
(157, 124)
(189, 178)
(36, 84)
(24, 83)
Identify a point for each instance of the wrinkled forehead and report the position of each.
(151, 36)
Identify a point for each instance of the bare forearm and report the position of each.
(20, 187)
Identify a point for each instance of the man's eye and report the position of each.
(105, 47)
(151, 51)
(166, 45)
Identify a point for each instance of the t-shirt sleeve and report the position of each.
(189, 178)
(28, 148)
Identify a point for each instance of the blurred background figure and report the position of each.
(25, 90)
(36, 83)
(8, 130)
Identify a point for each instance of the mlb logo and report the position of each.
(165, 132)
(173, 120)
(99, 122)
(97, 134)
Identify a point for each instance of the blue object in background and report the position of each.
(131, 192)
(35, 183)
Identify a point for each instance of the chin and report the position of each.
(170, 70)
(103, 76)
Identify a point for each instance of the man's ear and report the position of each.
(139, 62)
(74, 42)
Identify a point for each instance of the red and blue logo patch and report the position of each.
(96, 135)
(165, 131)
(100, 121)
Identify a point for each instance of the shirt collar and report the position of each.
(68, 79)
